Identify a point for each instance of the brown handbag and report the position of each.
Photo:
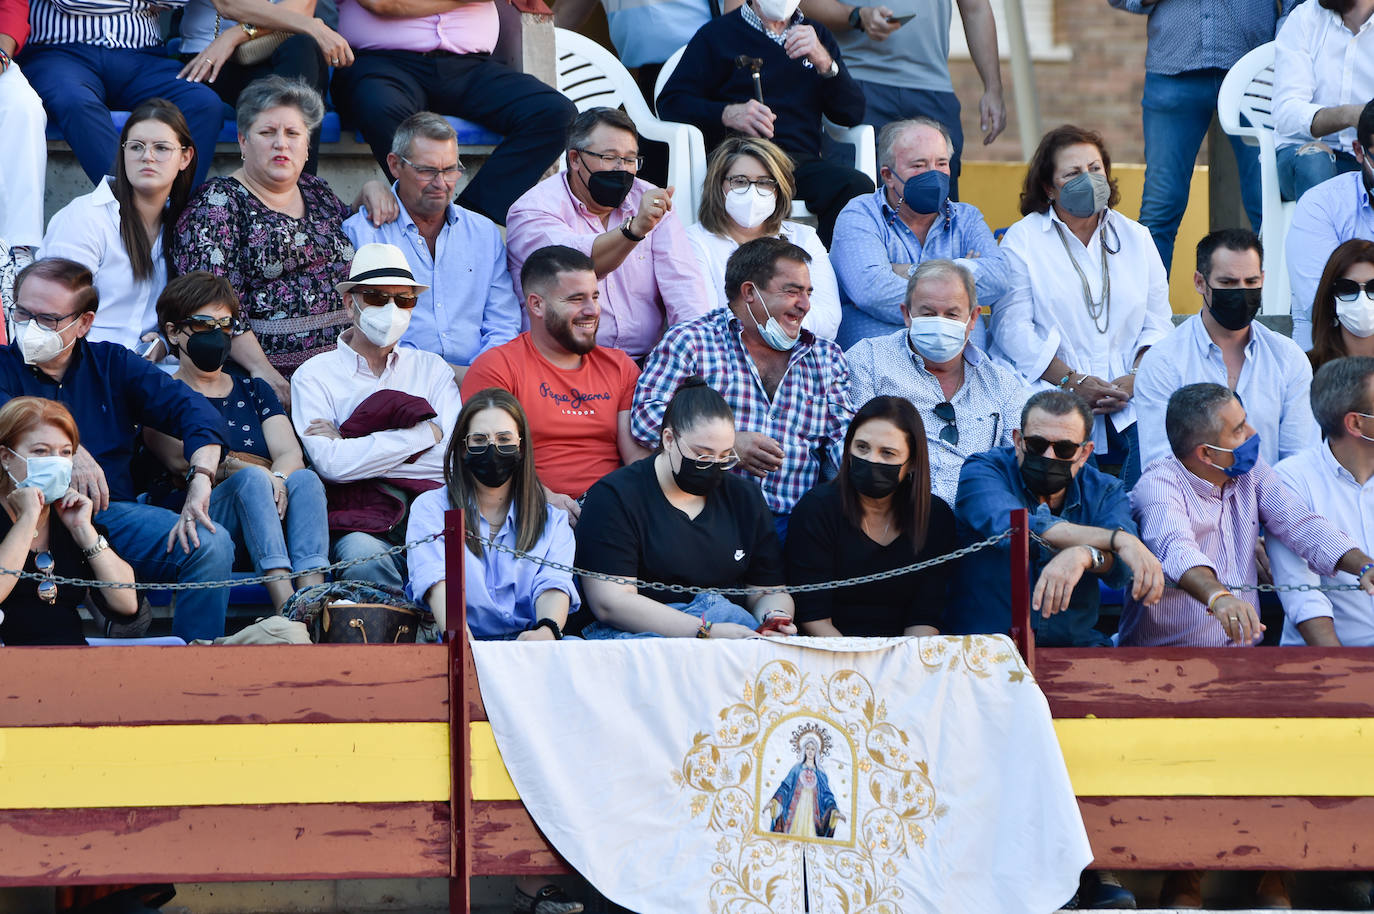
(368, 623)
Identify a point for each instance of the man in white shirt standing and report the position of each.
(328, 389)
(968, 402)
(1332, 479)
(1224, 344)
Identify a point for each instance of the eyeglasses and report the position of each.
(47, 588)
(629, 163)
(375, 299)
(763, 186)
(504, 442)
(1064, 450)
(945, 413)
(21, 315)
(428, 174)
(161, 151)
(705, 463)
(1349, 289)
(200, 323)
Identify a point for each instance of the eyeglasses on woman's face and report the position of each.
(1347, 290)
(200, 323)
(160, 152)
(504, 442)
(762, 186)
(706, 461)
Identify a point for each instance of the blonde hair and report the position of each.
(777, 163)
(22, 415)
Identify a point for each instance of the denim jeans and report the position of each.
(712, 605)
(381, 569)
(138, 533)
(244, 505)
(1299, 172)
(1176, 111)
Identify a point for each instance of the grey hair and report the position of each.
(888, 136)
(1191, 416)
(942, 269)
(276, 92)
(424, 124)
(580, 131)
(1339, 387)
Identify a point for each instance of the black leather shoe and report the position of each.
(1101, 890)
(548, 900)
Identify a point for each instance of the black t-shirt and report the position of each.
(628, 527)
(29, 620)
(823, 546)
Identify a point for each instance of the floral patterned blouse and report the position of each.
(284, 269)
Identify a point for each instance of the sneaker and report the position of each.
(548, 900)
(1101, 890)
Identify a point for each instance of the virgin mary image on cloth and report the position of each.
(803, 805)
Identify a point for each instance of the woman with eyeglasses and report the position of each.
(37, 440)
(272, 506)
(877, 515)
(121, 231)
(1343, 308)
(681, 518)
(749, 189)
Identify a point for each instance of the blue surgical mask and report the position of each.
(1245, 456)
(937, 339)
(772, 331)
(50, 475)
(927, 192)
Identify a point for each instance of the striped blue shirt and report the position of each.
(128, 24)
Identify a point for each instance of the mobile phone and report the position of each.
(146, 346)
(902, 20)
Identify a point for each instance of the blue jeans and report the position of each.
(715, 607)
(885, 104)
(138, 533)
(381, 569)
(1176, 111)
(243, 504)
(81, 83)
(1301, 171)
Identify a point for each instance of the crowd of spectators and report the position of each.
(245, 372)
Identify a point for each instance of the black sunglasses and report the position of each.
(1349, 289)
(945, 413)
(375, 299)
(1064, 450)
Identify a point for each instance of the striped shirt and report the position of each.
(128, 24)
(1187, 521)
(807, 416)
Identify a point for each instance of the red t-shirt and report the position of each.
(573, 414)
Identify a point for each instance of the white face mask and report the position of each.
(778, 10)
(39, 344)
(937, 339)
(383, 325)
(748, 207)
(1357, 316)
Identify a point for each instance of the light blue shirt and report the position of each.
(1333, 212)
(869, 238)
(470, 305)
(500, 588)
(1273, 386)
(649, 31)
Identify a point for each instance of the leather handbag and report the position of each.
(368, 623)
(255, 50)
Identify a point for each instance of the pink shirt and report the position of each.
(471, 28)
(657, 286)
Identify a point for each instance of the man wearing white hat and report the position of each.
(398, 437)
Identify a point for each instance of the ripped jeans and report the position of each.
(1302, 166)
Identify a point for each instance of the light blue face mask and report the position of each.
(772, 332)
(50, 475)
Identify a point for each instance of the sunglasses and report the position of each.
(1064, 450)
(1349, 289)
(945, 413)
(375, 299)
(200, 323)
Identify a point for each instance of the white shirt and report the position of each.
(332, 384)
(1043, 313)
(1273, 386)
(1319, 63)
(1328, 489)
(1333, 212)
(87, 230)
(714, 250)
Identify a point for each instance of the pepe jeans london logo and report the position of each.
(574, 402)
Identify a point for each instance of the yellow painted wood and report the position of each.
(1163, 757)
(490, 779)
(223, 764)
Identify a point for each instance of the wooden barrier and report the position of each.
(150, 764)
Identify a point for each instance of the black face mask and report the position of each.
(609, 188)
(208, 350)
(1045, 476)
(874, 480)
(1234, 309)
(491, 467)
(693, 480)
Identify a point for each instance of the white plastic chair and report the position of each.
(1248, 91)
(862, 138)
(592, 77)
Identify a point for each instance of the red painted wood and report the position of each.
(1208, 682)
(224, 843)
(505, 841)
(1020, 587)
(1230, 833)
(461, 681)
(82, 686)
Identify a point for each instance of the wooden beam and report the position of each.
(505, 841)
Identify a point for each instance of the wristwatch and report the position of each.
(833, 71)
(192, 470)
(625, 230)
(281, 476)
(855, 20)
(250, 30)
(1097, 556)
(101, 544)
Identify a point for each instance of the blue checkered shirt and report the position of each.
(808, 416)
(1188, 35)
